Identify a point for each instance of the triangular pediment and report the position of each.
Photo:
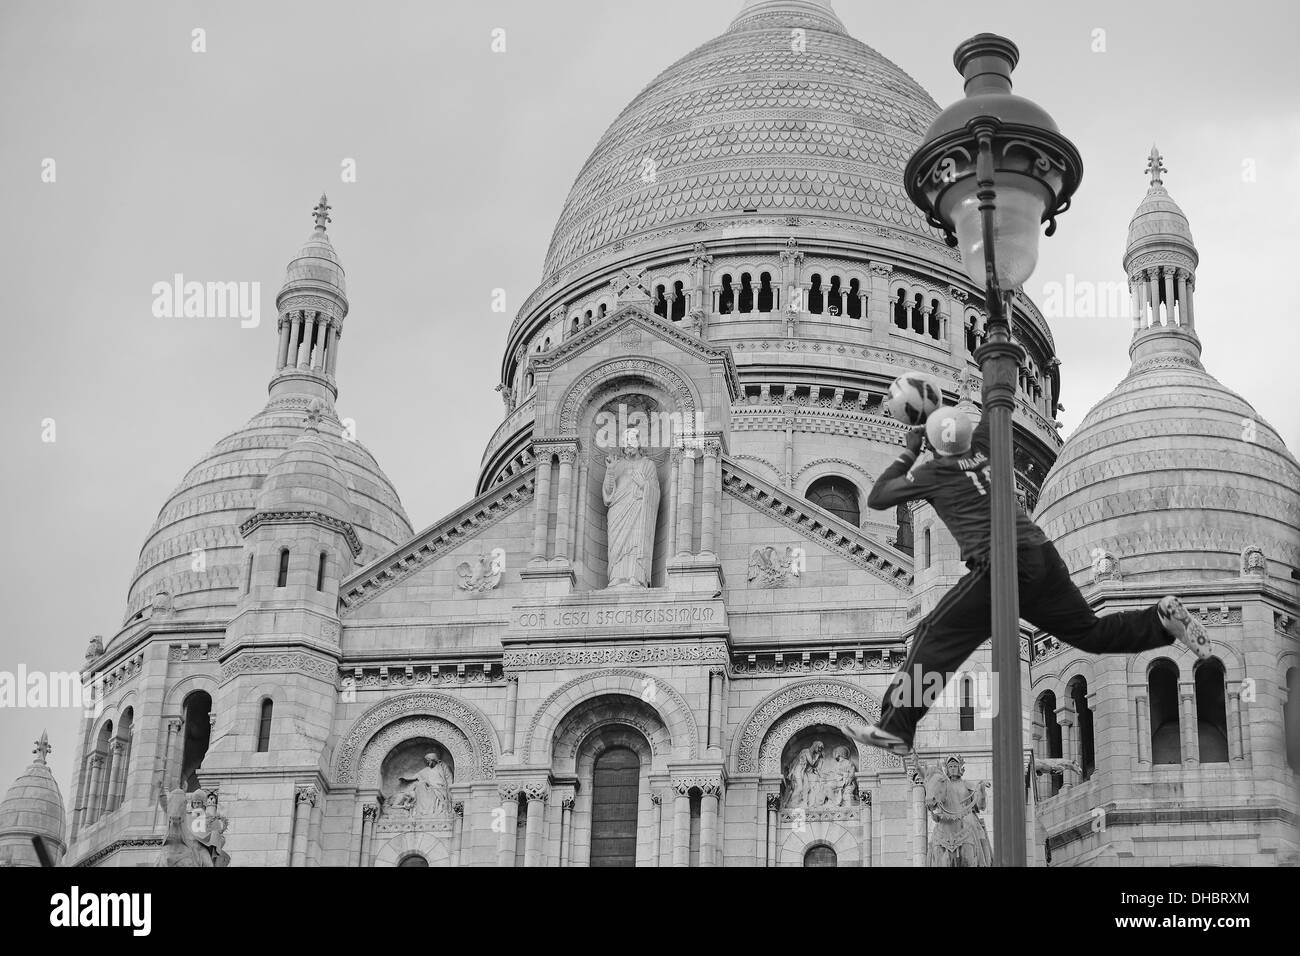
(794, 511)
(631, 321)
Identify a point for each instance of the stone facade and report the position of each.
(694, 721)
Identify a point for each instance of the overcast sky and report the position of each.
(208, 164)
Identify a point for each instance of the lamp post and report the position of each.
(992, 169)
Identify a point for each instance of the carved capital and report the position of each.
(307, 794)
(512, 678)
(509, 792)
(959, 294)
(773, 802)
(656, 798)
(369, 812)
(709, 786)
(96, 761)
(879, 269)
(567, 454)
(537, 791)
(712, 447)
(458, 808)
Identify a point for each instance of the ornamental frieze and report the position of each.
(264, 663)
(465, 717)
(675, 653)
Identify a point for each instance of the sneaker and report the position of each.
(1184, 627)
(873, 736)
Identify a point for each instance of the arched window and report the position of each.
(837, 495)
(903, 536)
(819, 854)
(196, 731)
(1291, 719)
(1162, 689)
(603, 310)
(125, 736)
(1051, 745)
(614, 790)
(934, 319)
(765, 298)
(320, 571)
(1211, 712)
(661, 302)
(972, 337)
(679, 302)
(1083, 721)
(966, 712)
(815, 296)
(926, 554)
(900, 310)
(576, 324)
(95, 789)
(413, 859)
(726, 296)
(834, 298)
(264, 726)
(746, 304)
(918, 314)
(586, 317)
(855, 300)
(282, 576)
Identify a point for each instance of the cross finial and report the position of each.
(42, 747)
(321, 213)
(1156, 166)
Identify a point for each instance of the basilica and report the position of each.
(636, 643)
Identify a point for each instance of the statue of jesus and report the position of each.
(631, 493)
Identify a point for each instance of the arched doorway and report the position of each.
(820, 855)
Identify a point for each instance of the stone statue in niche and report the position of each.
(958, 838)
(631, 493)
(427, 794)
(196, 831)
(813, 783)
(484, 574)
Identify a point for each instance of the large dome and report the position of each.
(747, 122)
(1172, 473)
(220, 492)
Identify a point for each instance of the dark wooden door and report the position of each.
(614, 789)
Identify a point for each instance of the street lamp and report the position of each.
(993, 168)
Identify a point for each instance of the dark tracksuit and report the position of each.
(961, 621)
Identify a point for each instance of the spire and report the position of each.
(1160, 259)
(311, 306)
(43, 747)
(1155, 166)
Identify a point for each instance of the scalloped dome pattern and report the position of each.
(221, 491)
(744, 122)
(1160, 474)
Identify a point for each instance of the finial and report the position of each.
(42, 747)
(321, 213)
(1156, 166)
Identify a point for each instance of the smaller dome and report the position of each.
(33, 807)
(316, 267)
(306, 477)
(1158, 223)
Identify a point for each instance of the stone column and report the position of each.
(322, 335)
(118, 764)
(1135, 293)
(716, 677)
(674, 488)
(1191, 298)
(709, 822)
(920, 825)
(701, 262)
(304, 799)
(282, 351)
(304, 347)
(580, 514)
(564, 501)
(509, 825)
(792, 286)
(457, 831)
(96, 772)
(336, 335)
(657, 826)
(1065, 719)
(1236, 735)
(1187, 724)
(295, 341)
(566, 828)
(712, 488)
(369, 813)
(173, 733)
(1143, 731)
(773, 814)
(787, 422)
(512, 711)
(1182, 297)
(1153, 293)
(358, 832)
(864, 858)
(686, 504)
(956, 321)
(541, 502)
(681, 825)
(1167, 277)
(536, 795)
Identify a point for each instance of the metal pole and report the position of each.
(999, 358)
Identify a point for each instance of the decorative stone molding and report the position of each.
(538, 792)
(667, 703)
(509, 792)
(842, 462)
(640, 654)
(792, 510)
(1253, 562)
(104, 852)
(707, 785)
(466, 718)
(409, 728)
(382, 677)
(315, 517)
(668, 378)
(760, 720)
(471, 520)
(873, 661)
(789, 724)
(245, 662)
